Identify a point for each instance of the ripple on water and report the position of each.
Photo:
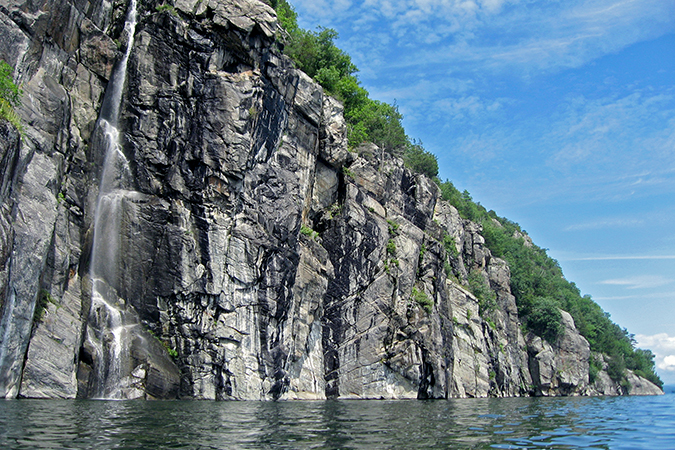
(526, 423)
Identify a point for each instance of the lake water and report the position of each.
(533, 423)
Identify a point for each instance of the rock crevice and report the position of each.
(262, 258)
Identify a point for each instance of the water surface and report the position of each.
(532, 423)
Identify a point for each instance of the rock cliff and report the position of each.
(256, 256)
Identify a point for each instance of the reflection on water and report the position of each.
(533, 423)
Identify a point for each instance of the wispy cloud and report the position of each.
(611, 148)
(639, 295)
(621, 257)
(460, 108)
(448, 55)
(639, 282)
(663, 347)
(639, 126)
(502, 34)
(606, 223)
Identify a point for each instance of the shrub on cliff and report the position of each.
(545, 320)
(423, 300)
(10, 95)
(480, 288)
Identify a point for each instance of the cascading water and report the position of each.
(109, 329)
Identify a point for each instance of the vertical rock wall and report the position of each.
(262, 258)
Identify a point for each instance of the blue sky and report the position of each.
(559, 115)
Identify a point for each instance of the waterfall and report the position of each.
(7, 389)
(110, 328)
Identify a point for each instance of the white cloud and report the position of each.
(513, 35)
(640, 282)
(663, 347)
(459, 108)
(593, 131)
(521, 35)
(668, 363)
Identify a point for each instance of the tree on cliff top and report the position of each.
(537, 280)
(540, 288)
(420, 160)
(368, 120)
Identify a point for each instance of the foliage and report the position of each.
(10, 96)
(545, 320)
(616, 367)
(423, 251)
(287, 16)
(593, 369)
(374, 121)
(450, 246)
(9, 91)
(481, 290)
(173, 353)
(334, 210)
(166, 7)
(368, 120)
(461, 200)
(420, 160)
(43, 300)
(393, 227)
(540, 289)
(447, 268)
(423, 300)
(642, 363)
(307, 231)
(391, 247)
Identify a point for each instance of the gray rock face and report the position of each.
(561, 368)
(262, 259)
(640, 386)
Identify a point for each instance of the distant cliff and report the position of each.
(218, 239)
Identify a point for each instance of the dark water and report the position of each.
(533, 423)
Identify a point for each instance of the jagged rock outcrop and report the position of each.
(561, 368)
(261, 258)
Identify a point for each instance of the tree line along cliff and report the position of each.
(263, 255)
(537, 281)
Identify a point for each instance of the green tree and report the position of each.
(480, 288)
(541, 290)
(420, 160)
(315, 53)
(545, 319)
(423, 300)
(376, 122)
(537, 280)
(287, 16)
